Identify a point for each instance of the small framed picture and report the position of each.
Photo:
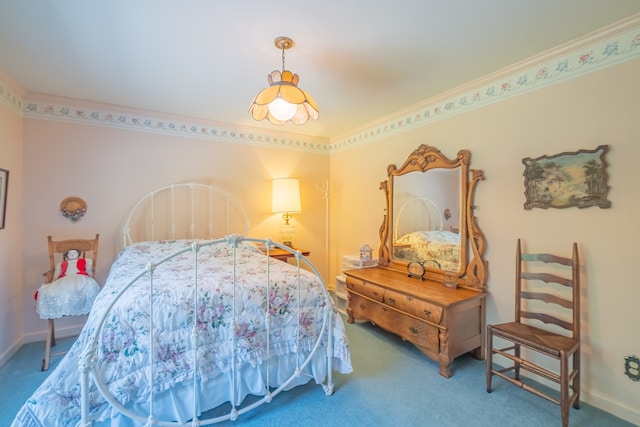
(4, 186)
(567, 179)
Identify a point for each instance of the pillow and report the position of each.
(225, 249)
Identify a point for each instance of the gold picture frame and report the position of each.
(4, 186)
(567, 179)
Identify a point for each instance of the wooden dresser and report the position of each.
(442, 322)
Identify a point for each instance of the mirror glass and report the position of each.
(426, 218)
(429, 218)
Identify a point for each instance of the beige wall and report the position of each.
(11, 242)
(111, 169)
(583, 113)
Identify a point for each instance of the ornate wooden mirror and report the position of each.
(430, 219)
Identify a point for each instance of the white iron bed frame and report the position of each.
(203, 204)
(89, 366)
(419, 213)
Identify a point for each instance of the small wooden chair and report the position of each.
(57, 249)
(547, 322)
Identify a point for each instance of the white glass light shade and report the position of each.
(285, 196)
(283, 89)
(281, 109)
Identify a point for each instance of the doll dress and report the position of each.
(69, 295)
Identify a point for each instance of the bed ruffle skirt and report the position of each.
(177, 402)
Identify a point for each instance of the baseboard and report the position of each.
(620, 411)
(13, 349)
(61, 332)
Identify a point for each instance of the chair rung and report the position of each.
(573, 395)
(530, 366)
(503, 370)
(526, 386)
(573, 374)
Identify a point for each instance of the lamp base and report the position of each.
(287, 231)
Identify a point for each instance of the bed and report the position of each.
(420, 235)
(191, 331)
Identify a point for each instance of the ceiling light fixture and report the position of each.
(283, 100)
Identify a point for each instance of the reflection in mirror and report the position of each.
(430, 218)
(426, 218)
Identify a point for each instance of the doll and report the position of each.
(72, 291)
(72, 264)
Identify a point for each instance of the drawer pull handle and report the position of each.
(392, 301)
(427, 312)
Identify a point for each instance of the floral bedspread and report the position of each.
(295, 317)
(439, 245)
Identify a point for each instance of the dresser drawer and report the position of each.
(419, 332)
(365, 288)
(417, 307)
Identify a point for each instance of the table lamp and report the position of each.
(285, 199)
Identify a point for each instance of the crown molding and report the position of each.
(606, 47)
(9, 95)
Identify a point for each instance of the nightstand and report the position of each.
(282, 254)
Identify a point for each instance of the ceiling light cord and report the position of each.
(283, 43)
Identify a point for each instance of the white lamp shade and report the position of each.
(285, 196)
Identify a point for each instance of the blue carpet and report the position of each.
(393, 384)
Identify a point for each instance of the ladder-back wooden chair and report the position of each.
(547, 322)
(88, 250)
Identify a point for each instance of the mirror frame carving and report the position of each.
(473, 242)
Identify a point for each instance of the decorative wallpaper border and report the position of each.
(148, 123)
(10, 98)
(618, 46)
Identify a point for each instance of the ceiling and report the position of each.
(361, 60)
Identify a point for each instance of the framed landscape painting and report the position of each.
(4, 185)
(567, 179)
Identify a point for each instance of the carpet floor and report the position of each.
(392, 384)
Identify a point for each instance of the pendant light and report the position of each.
(283, 101)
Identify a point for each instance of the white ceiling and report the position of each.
(360, 59)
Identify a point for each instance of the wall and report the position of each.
(111, 169)
(11, 244)
(582, 113)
